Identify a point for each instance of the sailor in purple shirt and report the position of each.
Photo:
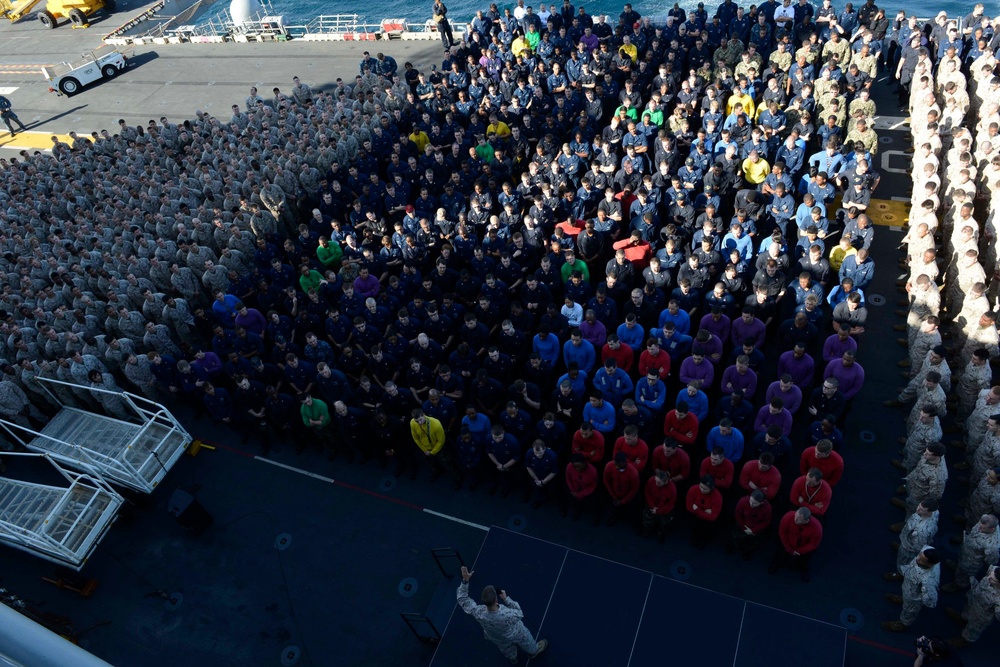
(716, 323)
(838, 343)
(799, 365)
(712, 345)
(593, 330)
(697, 369)
(786, 390)
(740, 376)
(250, 319)
(848, 372)
(748, 326)
(366, 284)
(773, 414)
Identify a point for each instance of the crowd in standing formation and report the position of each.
(947, 77)
(618, 269)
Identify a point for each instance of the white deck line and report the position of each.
(740, 635)
(642, 614)
(457, 520)
(444, 630)
(294, 469)
(551, 595)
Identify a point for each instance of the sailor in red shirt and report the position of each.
(704, 503)
(753, 517)
(681, 425)
(822, 456)
(634, 448)
(623, 354)
(636, 250)
(621, 480)
(581, 482)
(812, 491)
(673, 460)
(661, 496)
(654, 357)
(719, 467)
(761, 474)
(799, 535)
(590, 443)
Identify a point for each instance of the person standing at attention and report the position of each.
(443, 25)
(501, 618)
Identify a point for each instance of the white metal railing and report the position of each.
(72, 527)
(115, 466)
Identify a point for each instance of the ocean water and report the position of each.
(300, 12)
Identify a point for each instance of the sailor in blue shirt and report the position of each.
(860, 268)
(828, 160)
(728, 438)
(613, 383)
(674, 343)
(680, 318)
(650, 392)
(805, 286)
(791, 155)
(696, 400)
(542, 465)
(576, 378)
(581, 351)
(599, 413)
(478, 425)
(737, 240)
(631, 333)
(504, 451)
(782, 207)
(839, 293)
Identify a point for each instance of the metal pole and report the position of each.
(24, 642)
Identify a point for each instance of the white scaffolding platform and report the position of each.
(136, 455)
(59, 524)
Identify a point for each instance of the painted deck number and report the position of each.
(903, 160)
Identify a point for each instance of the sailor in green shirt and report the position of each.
(315, 415)
(310, 279)
(329, 254)
(573, 264)
(533, 37)
(630, 111)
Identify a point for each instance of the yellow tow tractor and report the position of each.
(77, 11)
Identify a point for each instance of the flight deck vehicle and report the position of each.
(77, 11)
(105, 62)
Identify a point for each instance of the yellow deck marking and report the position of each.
(889, 213)
(31, 139)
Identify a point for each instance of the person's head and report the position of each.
(988, 524)
(928, 558)
(706, 484)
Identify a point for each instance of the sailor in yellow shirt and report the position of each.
(520, 46)
(428, 435)
(840, 252)
(419, 139)
(629, 49)
(740, 97)
(498, 127)
(755, 168)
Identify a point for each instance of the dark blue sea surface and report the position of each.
(300, 12)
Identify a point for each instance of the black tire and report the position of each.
(110, 6)
(109, 71)
(77, 18)
(46, 19)
(69, 86)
